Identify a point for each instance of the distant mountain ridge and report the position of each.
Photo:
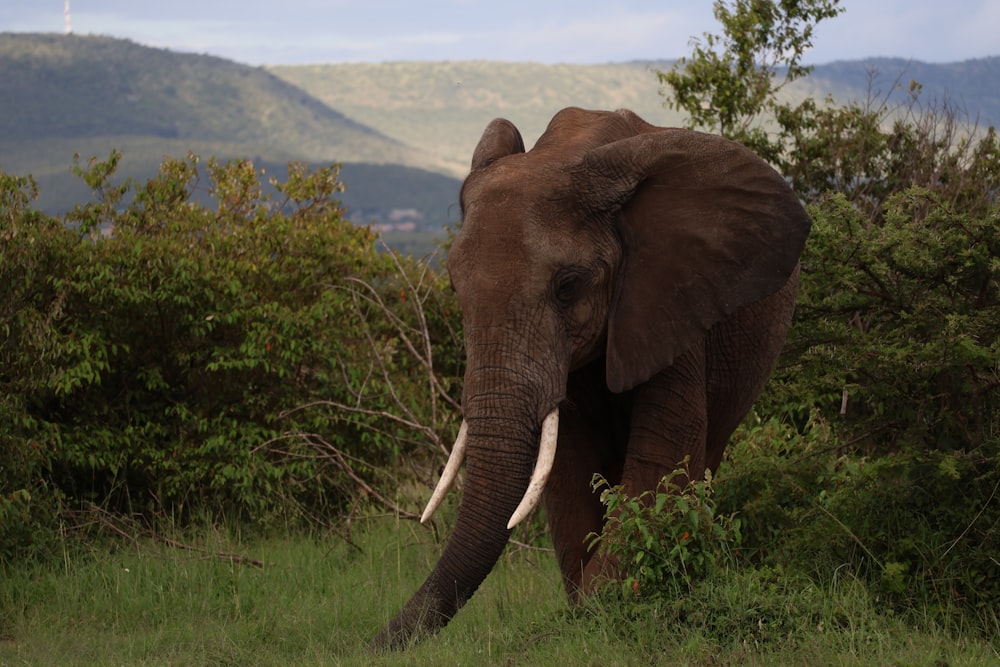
(405, 131)
(442, 107)
(68, 86)
(61, 95)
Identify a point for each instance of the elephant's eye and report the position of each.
(566, 286)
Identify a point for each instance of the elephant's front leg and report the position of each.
(669, 423)
(592, 435)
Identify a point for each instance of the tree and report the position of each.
(731, 79)
(885, 406)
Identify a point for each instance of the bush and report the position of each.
(33, 247)
(668, 539)
(806, 504)
(897, 331)
(159, 354)
(898, 328)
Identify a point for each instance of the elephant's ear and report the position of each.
(707, 227)
(500, 138)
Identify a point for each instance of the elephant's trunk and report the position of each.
(499, 461)
(539, 476)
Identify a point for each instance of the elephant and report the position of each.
(625, 292)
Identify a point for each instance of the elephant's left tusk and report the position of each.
(543, 467)
(448, 475)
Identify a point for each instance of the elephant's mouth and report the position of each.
(539, 476)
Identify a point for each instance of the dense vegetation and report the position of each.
(167, 358)
(442, 108)
(210, 344)
(877, 443)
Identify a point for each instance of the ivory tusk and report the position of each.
(448, 475)
(543, 467)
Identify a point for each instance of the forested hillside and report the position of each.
(74, 87)
(90, 95)
(443, 107)
(65, 95)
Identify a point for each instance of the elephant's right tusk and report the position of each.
(449, 474)
(543, 467)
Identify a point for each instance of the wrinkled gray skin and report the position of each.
(642, 279)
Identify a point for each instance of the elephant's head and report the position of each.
(613, 245)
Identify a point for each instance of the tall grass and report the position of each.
(318, 600)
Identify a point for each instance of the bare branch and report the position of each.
(333, 453)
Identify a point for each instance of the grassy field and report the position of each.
(221, 598)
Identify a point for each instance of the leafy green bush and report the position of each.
(810, 506)
(898, 328)
(797, 510)
(868, 151)
(164, 356)
(665, 540)
(33, 247)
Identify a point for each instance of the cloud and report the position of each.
(585, 31)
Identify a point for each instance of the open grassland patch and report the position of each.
(319, 599)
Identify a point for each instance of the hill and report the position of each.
(68, 86)
(442, 107)
(403, 131)
(61, 95)
(971, 87)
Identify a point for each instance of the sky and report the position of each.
(269, 32)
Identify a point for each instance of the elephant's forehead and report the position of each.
(514, 217)
(516, 184)
(498, 239)
(508, 197)
(496, 232)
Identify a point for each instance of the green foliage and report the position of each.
(898, 328)
(897, 522)
(156, 350)
(33, 247)
(668, 539)
(729, 80)
(888, 461)
(897, 324)
(788, 515)
(870, 151)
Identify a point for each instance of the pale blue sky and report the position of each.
(578, 31)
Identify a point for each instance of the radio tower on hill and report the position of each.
(69, 21)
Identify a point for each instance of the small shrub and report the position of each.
(665, 540)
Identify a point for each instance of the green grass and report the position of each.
(319, 601)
